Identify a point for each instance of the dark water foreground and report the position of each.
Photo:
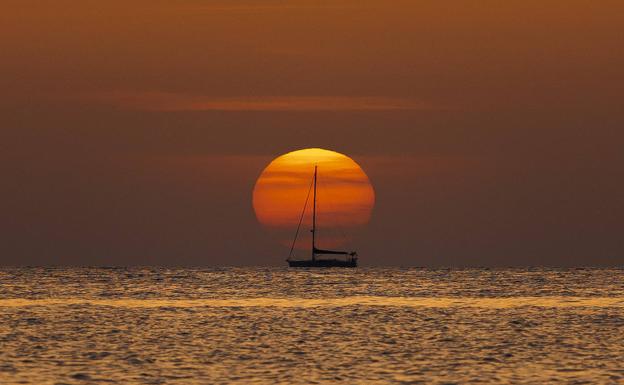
(267, 326)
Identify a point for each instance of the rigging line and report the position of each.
(300, 220)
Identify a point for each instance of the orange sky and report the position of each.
(134, 131)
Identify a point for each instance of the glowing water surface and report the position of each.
(266, 326)
(449, 302)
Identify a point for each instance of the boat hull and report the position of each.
(323, 263)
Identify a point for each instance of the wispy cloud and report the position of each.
(261, 8)
(264, 5)
(163, 101)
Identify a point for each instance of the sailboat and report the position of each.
(350, 258)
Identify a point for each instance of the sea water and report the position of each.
(279, 325)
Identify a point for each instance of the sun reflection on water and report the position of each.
(429, 302)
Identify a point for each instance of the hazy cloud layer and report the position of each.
(165, 101)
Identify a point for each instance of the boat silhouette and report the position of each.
(350, 258)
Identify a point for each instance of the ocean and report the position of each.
(333, 326)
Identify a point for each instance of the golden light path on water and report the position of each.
(427, 302)
(282, 326)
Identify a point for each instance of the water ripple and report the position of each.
(272, 326)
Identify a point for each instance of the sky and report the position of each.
(132, 133)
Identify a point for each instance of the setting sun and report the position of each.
(345, 196)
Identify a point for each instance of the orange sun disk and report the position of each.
(345, 196)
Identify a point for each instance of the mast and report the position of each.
(314, 215)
